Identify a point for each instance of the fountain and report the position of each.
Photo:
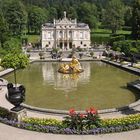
(98, 84)
(73, 67)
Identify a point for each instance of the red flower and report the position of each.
(87, 110)
(72, 112)
(93, 110)
(82, 115)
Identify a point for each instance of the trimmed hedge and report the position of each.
(100, 39)
(116, 38)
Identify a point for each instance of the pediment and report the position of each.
(65, 21)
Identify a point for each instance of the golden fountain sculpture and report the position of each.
(73, 67)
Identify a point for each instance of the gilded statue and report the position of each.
(73, 67)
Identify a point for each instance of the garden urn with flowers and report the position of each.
(16, 93)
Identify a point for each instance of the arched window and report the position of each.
(70, 34)
(60, 34)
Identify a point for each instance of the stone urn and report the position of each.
(16, 95)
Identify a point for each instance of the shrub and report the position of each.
(80, 121)
(116, 38)
(125, 121)
(127, 46)
(44, 122)
(100, 39)
(4, 112)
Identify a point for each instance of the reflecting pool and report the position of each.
(100, 85)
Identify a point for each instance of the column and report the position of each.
(68, 45)
(63, 45)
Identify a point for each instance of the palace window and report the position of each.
(60, 34)
(44, 36)
(49, 35)
(81, 35)
(70, 34)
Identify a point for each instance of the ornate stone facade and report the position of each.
(65, 34)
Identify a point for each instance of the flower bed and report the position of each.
(76, 123)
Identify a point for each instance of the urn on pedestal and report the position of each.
(16, 95)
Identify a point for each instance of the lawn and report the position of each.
(33, 38)
(107, 32)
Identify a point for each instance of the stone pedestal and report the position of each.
(18, 115)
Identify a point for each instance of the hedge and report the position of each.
(100, 39)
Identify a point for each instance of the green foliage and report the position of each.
(14, 61)
(82, 122)
(87, 13)
(136, 19)
(38, 121)
(36, 17)
(127, 46)
(116, 38)
(55, 50)
(128, 16)
(72, 13)
(114, 15)
(52, 14)
(3, 30)
(100, 39)
(4, 112)
(16, 16)
(12, 45)
(131, 119)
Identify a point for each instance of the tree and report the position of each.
(13, 45)
(16, 16)
(72, 13)
(36, 17)
(136, 20)
(114, 15)
(52, 14)
(15, 61)
(87, 13)
(3, 30)
(128, 16)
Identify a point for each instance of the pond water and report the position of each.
(100, 85)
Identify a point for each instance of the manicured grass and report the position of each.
(107, 32)
(123, 32)
(33, 38)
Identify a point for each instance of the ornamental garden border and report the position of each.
(128, 123)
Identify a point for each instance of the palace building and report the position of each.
(65, 34)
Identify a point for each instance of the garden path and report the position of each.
(12, 133)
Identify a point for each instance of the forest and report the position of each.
(25, 17)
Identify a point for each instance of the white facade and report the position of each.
(65, 34)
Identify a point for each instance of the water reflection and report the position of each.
(65, 82)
